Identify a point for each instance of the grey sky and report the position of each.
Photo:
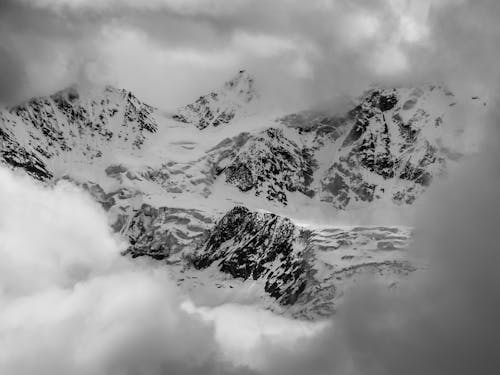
(169, 51)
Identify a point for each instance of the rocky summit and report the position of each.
(240, 201)
(222, 106)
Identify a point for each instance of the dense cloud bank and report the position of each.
(443, 320)
(302, 52)
(71, 304)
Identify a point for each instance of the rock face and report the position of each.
(222, 106)
(159, 232)
(164, 180)
(17, 156)
(391, 147)
(75, 121)
(269, 164)
(387, 146)
(305, 271)
(252, 245)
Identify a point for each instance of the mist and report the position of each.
(303, 54)
(443, 319)
(72, 304)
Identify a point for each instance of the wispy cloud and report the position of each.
(306, 49)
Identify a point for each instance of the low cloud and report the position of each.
(71, 304)
(443, 319)
(170, 51)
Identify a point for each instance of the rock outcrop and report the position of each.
(220, 107)
(258, 246)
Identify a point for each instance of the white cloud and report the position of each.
(164, 76)
(359, 26)
(72, 304)
(389, 60)
(188, 7)
(243, 332)
(171, 51)
(262, 45)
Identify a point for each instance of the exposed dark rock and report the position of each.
(240, 175)
(339, 189)
(252, 245)
(114, 170)
(159, 232)
(14, 155)
(219, 108)
(387, 102)
(271, 164)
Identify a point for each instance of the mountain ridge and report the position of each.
(168, 181)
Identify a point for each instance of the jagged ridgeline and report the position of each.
(390, 145)
(169, 181)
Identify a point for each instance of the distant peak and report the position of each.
(221, 106)
(242, 77)
(243, 85)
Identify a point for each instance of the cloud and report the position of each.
(301, 52)
(72, 304)
(245, 332)
(13, 75)
(188, 7)
(443, 319)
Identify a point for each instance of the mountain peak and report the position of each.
(222, 106)
(242, 85)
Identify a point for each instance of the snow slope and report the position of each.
(170, 182)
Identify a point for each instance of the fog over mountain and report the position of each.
(170, 51)
(249, 187)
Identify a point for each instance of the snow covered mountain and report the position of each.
(221, 191)
(76, 125)
(222, 106)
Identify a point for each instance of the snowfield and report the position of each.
(285, 211)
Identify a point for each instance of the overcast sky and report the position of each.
(170, 51)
